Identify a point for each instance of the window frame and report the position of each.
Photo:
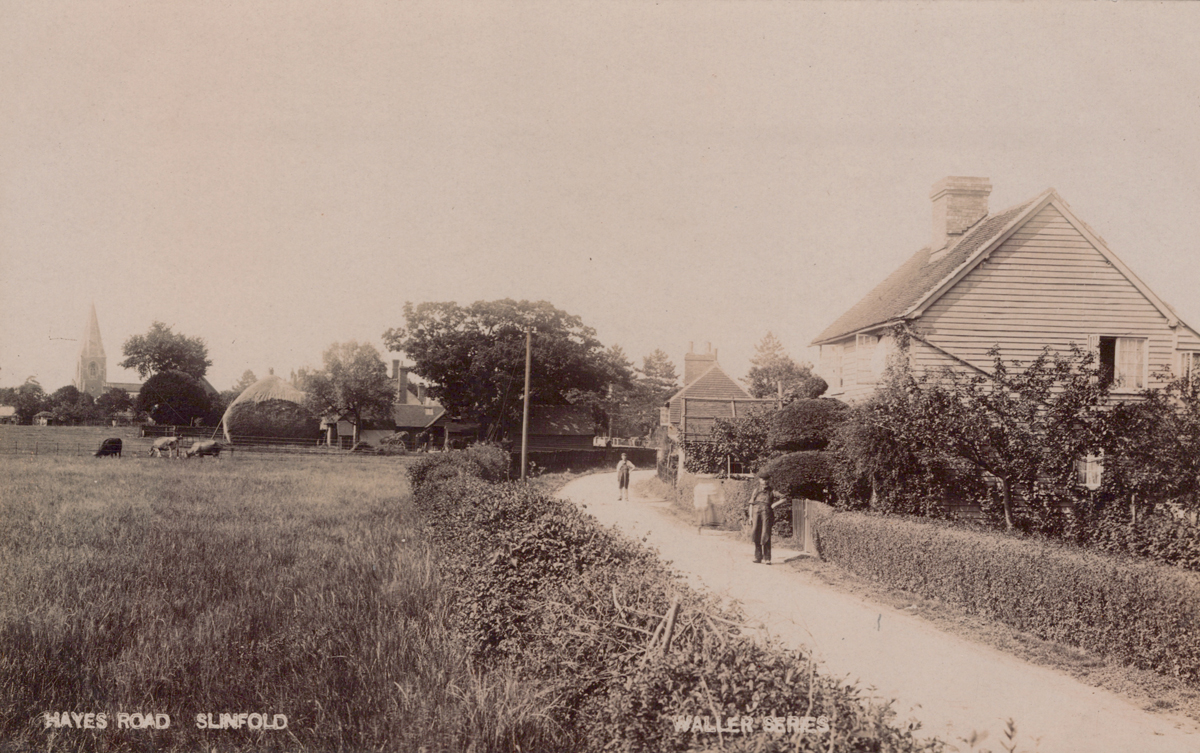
(1116, 377)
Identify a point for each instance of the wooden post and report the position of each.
(525, 416)
(800, 524)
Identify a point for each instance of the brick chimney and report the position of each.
(401, 374)
(958, 203)
(695, 364)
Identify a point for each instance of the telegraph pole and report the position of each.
(525, 417)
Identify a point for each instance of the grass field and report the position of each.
(296, 587)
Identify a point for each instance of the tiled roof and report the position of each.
(918, 277)
(415, 415)
(713, 383)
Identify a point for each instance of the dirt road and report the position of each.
(953, 687)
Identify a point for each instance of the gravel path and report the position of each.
(952, 686)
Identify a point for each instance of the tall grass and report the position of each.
(299, 588)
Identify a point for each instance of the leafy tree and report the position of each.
(1023, 425)
(70, 406)
(248, 379)
(353, 382)
(29, 399)
(473, 358)
(161, 350)
(740, 442)
(113, 401)
(173, 397)
(772, 367)
(631, 407)
(806, 424)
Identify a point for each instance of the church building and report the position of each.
(91, 371)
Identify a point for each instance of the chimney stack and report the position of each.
(958, 203)
(401, 383)
(695, 364)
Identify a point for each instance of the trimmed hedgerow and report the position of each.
(1133, 612)
(805, 424)
(578, 612)
(807, 475)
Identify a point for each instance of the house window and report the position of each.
(1123, 362)
(1088, 470)
(1189, 366)
(865, 350)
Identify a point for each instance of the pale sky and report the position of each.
(275, 177)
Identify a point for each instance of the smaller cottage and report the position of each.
(708, 394)
(44, 418)
(562, 427)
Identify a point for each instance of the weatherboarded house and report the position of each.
(1031, 276)
(561, 427)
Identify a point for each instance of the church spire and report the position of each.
(91, 371)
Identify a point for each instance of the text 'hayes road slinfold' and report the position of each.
(137, 720)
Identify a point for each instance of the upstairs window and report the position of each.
(1122, 361)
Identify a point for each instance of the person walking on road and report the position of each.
(623, 469)
(762, 517)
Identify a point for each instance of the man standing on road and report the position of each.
(623, 469)
(762, 517)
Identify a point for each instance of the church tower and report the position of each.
(91, 371)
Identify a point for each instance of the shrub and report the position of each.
(1132, 612)
(272, 418)
(805, 424)
(571, 607)
(481, 461)
(806, 475)
(172, 397)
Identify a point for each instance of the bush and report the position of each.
(481, 461)
(272, 418)
(571, 607)
(1132, 612)
(805, 424)
(172, 397)
(805, 475)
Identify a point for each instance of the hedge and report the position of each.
(1137, 613)
(807, 475)
(577, 612)
(805, 424)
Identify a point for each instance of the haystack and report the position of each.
(270, 407)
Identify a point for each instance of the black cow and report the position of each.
(205, 447)
(110, 446)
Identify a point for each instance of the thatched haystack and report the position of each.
(270, 408)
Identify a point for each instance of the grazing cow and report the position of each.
(169, 445)
(205, 447)
(110, 446)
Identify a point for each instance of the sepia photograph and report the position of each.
(616, 375)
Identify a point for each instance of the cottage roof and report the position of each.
(416, 415)
(562, 420)
(713, 383)
(920, 276)
(921, 280)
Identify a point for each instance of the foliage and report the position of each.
(173, 397)
(29, 399)
(771, 368)
(805, 424)
(474, 357)
(484, 461)
(161, 350)
(114, 400)
(1132, 612)
(1024, 424)
(70, 406)
(804, 475)
(353, 383)
(737, 441)
(272, 418)
(541, 587)
(632, 408)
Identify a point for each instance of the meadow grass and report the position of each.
(299, 587)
